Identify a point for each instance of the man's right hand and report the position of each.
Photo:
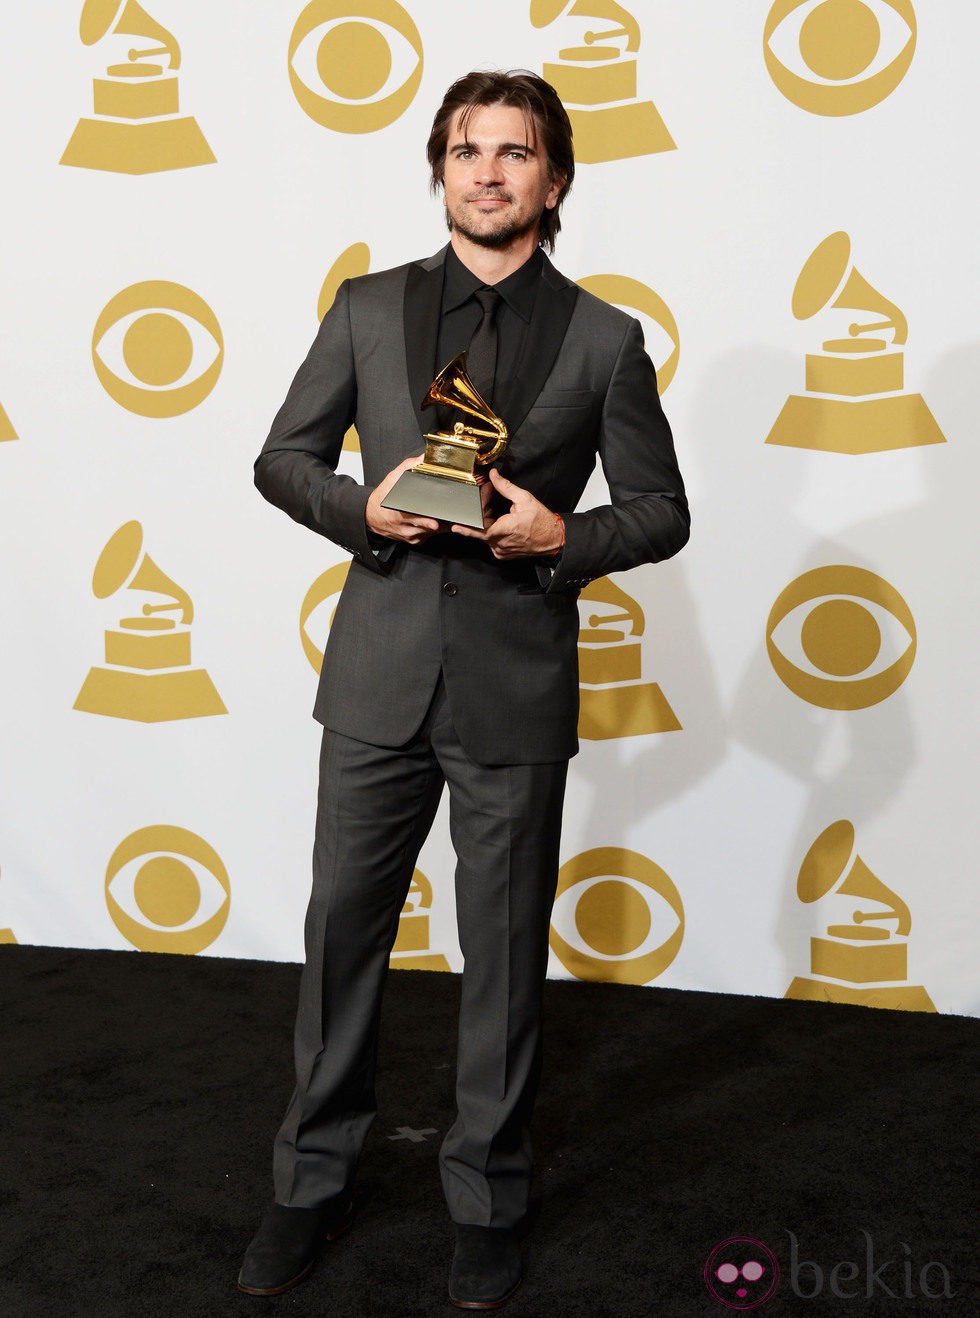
(411, 528)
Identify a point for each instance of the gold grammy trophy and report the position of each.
(614, 702)
(597, 83)
(854, 401)
(138, 129)
(859, 963)
(149, 678)
(445, 484)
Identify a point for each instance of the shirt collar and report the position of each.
(518, 290)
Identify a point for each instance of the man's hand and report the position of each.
(408, 527)
(529, 530)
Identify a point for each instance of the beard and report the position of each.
(498, 233)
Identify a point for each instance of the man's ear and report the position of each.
(557, 183)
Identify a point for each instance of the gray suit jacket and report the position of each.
(504, 634)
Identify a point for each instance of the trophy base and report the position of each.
(606, 714)
(618, 132)
(147, 147)
(897, 997)
(442, 497)
(149, 697)
(868, 425)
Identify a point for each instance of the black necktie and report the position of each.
(481, 356)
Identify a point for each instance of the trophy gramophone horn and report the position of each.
(443, 484)
(544, 12)
(127, 18)
(452, 386)
(828, 866)
(604, 626)
(862, 883)
(858, 295)
(828, 278)
(120, 564)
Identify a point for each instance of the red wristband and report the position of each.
(561, 526)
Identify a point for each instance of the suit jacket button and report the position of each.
(450, 588)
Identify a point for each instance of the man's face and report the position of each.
(496, 183)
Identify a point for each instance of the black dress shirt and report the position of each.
(461, 313)
(459, 317)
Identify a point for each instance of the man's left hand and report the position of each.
(528, 530)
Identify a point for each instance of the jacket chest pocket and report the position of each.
(563, 398)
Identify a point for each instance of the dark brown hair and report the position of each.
(540, 104)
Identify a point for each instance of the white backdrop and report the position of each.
(766, 752)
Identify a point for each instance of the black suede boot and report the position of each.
(486, 1268)
(286, 1246)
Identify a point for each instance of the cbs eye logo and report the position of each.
(327, 587)
(617, 916)
(841, 638)
(157, 349)
(659, 326)
(366, 54)
(837, 57)
(167, 890)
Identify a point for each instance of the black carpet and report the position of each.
(141, 1094)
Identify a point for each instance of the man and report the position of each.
(452, 658)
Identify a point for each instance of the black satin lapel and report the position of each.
(553, 308)
(422, 310)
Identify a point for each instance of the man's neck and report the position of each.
(492, 264)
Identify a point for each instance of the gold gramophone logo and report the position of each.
(350, 264)
(320, 600)
(167, 890)
(632, 296)
(411, 950)
(7, 430)
(854, 400)
(617, 916)
(157, 348)
(597, 82)
(863, 960)
(837, 57)
(355, 65)
(148, 675)
(138, 127)
(614, 701)
(841, 637)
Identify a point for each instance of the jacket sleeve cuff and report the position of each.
(354, 534)
(568, 571)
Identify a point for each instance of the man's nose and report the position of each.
(488, 173)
